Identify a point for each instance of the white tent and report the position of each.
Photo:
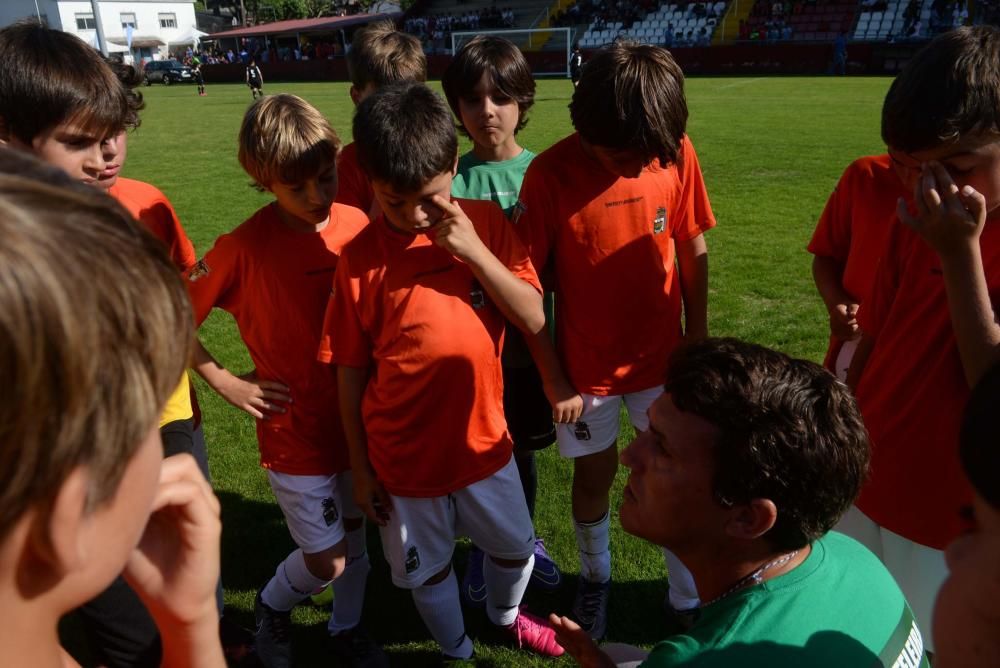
(192, 36)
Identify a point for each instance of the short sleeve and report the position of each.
(161, 219)
(214, 280)
(507, 247)
(832, 237)
(344, 336)
(694, 207)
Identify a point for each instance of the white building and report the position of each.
(157, 26)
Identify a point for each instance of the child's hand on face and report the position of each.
(454, 231)
(948, 218)
(844, 322)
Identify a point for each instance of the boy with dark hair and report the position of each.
(84, 494)
(749, 460)
(490, 89)
(416, 322)
(380, 55)
(609, 210)
(929, 327)
(273, 274)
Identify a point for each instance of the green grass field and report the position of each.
(771, 150)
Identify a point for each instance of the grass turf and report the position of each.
(771, 150)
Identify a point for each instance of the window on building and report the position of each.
(85, 22)
(128, 20)
(168, 20)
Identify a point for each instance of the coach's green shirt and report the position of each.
(839, 608)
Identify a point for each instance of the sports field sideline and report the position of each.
(771, 150)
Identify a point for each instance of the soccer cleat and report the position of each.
(590, 609)
(356, 649)
(545, 574)
(474, 580)
(272, 639)
(534, 634)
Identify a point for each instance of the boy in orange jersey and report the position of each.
(608, 210)
(380, 55)
(273, 274)
(847, 244)
(78, 122)
(929, 324)
(416, 327)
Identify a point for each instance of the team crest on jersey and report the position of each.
(660, 222)
(330, 514)
(199, 270)
(581, 430)
(412, 559)
(515, 214)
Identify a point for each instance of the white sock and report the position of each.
(505, 588)
(683, 593)
(441, 611)
(592, 539)
(349, 588)
(291, 583)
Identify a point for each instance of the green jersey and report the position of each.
(839, 608)
(497, 181)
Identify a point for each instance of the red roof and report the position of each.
(293, 26)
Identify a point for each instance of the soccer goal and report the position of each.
(547, 49)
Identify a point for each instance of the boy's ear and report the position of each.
(454, 168)
(355, 95)
(752, 520)
(57, 538)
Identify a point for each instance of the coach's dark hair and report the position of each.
(950, 88)
(48, 77)
(788, 431)
(405, 136)
(505, 66)
(631, 96)
(977, 444)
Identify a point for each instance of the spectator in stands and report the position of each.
(750, 458)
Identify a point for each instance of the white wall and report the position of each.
(146, 17)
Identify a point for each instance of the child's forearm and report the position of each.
(828, 273)
(972, 316)
(518, 300)
(351, 383)
(209, 368)
(692, 260)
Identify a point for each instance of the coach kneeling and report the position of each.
(750, 458)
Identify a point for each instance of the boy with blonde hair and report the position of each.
(273, 274)
(380, 55)
(82, 492)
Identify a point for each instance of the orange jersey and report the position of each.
(913, 391)
(353, 187)
(152, 208)
(275, 281)
(610, 244)
(854, 226)
(433, 408)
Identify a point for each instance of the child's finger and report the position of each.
(974, 202)
(273, 386)
(450, 207)
(930, 197)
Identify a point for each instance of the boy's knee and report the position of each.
(595, 472)
(328, 564)
(437, 577)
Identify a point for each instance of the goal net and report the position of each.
(546, 49)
